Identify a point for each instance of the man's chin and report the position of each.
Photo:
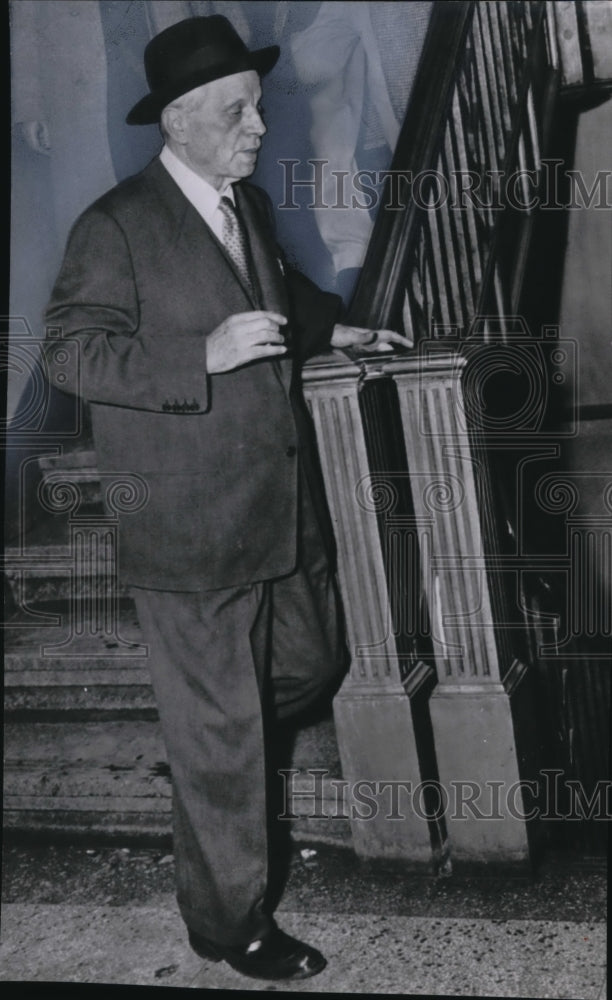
(246, 163)
(242, 167)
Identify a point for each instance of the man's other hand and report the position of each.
(244, 337)
(367, 340)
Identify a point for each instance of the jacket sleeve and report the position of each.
(95, 347)
(314, 314)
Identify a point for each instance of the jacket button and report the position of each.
(291, 451)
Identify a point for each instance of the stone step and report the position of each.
(81, 461)
(77, 666)
(110, 780)
(84, 755)
(77, 467)
(48, 573)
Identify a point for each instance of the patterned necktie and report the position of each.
(235, 240)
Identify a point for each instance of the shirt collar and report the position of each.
(202, 195)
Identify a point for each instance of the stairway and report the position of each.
(83, 752)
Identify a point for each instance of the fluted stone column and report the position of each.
(374, 708)
(481, 708)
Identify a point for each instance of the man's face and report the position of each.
(223, 128)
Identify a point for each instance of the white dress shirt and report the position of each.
(202, 195)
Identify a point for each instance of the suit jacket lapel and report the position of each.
(269, 270)
(265, 257)
(195, 238)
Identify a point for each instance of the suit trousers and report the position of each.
(225, 665)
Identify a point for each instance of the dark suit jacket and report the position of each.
(143, 282)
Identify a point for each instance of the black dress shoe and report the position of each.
(276, 956)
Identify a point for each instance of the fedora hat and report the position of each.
(189, 54)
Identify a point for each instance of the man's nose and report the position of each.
(255, 123)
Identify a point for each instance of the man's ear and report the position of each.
(174, 123)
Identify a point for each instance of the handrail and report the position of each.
(479, 109)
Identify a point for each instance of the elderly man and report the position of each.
(182, 327)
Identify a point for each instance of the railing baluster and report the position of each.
(459, 218)
(445, 264)
(509, 51)
(497, 80)
(468, 217)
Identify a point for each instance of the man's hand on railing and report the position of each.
(371, 341)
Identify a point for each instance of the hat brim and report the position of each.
(148, 110)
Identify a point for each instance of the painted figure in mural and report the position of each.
(359, 61)
(184, 328)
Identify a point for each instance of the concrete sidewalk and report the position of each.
(146, 945)
(381, 931)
